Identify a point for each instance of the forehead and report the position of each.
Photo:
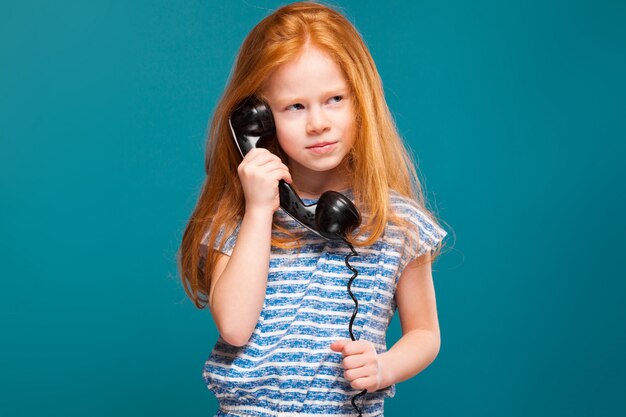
(310, 72)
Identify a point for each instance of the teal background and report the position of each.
(515, 111)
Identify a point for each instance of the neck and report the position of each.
(312, 184)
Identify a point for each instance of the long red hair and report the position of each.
(378, 155)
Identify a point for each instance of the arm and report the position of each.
(416, 349)
(238, 282)
(420, 342)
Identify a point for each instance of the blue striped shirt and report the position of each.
(287, 366)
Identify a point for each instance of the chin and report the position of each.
(317, 165)
(322, 167)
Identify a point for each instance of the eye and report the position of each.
(335, 99)
(296, 106)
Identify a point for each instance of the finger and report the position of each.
(272, 165)
(339, 345)
(260, 157)
(257, 151)
(281, 172)
(260, 167)
(369, 384)
(362, 372)
(269, 159)
(359, 347)
(355, 361)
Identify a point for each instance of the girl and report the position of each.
(276, 290)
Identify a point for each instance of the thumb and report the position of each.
(338, 345)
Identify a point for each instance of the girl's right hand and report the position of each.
(259, 173)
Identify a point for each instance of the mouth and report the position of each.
(322, 147)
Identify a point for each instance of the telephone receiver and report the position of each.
(333, 217)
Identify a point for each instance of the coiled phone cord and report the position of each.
(356, 309)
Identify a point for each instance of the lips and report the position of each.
(322, 148)
(321, 145)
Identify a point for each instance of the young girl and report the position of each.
(276, 290)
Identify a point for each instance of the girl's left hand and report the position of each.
(361, 363)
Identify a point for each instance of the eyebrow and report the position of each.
(328, 93)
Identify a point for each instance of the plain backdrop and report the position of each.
(514, 111)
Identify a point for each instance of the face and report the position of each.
(313, 112)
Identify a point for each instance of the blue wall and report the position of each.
(515, 111)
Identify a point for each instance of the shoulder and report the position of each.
(421, 229)
(221, 237)
(405, 207)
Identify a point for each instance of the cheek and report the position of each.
(285, 132)
(349, 127)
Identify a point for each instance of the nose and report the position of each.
(317, 121)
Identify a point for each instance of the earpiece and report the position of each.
(333, 217)
(252, 125)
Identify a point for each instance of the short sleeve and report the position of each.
(422, 234)
(229, 241)
(430, 234)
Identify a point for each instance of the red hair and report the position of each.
(378, 155)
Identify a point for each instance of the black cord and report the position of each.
(356, 309)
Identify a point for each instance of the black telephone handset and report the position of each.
(333, 217)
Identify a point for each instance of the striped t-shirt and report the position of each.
(287, 367)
